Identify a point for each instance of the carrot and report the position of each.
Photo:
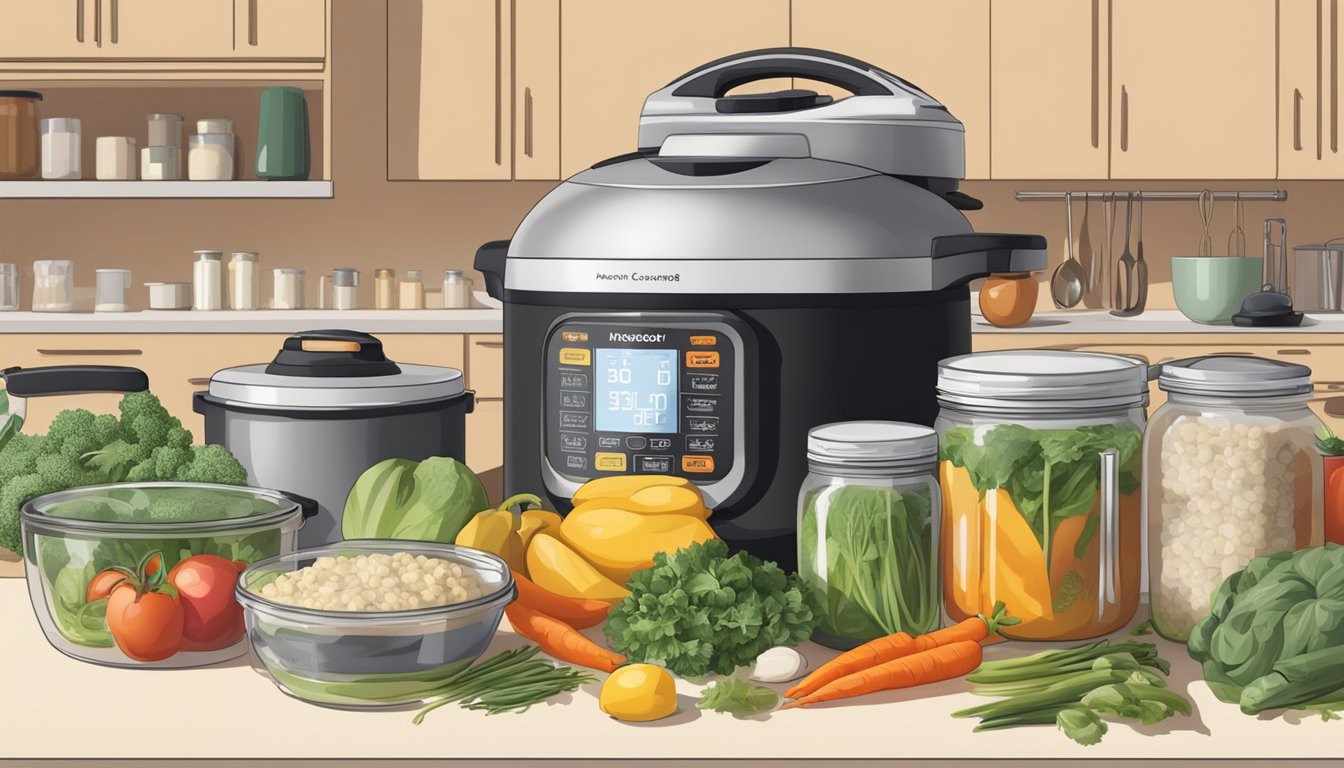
(559, 640)
(936, 664)
(579, 614)
(895, 646)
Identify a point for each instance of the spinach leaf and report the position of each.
(738, 698)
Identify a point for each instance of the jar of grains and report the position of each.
(1231, 473)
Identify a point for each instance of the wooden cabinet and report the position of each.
(1049, 61)
(1309, 90)
(280, 29)
(44, 29)
(536, 90)
(164, 29)
(614, 53)
(1193, 89)
(944, 50)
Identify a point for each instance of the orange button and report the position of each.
(574, 336)
(573, 356)
(702, 359)
(700, 464)
(704, 341)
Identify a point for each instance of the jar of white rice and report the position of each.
(1231, 473)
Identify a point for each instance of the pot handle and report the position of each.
(73, 380)
(309, 506)
(715, 79)
(491, 260)
(959, 259)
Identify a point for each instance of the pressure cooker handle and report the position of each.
(332, 352)
(718, 77)
(959, 259)
(491, 259)
(307, 505)
(73, 380)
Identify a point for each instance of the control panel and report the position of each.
(640, 396)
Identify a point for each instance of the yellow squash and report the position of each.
(638, 693)
(554, 566)
(534, 521)
(619, 542)
(960, 542)
(501, 532)
(1014, 565)
(624, 486)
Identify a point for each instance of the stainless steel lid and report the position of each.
(872, 444)
(1042, 380)
(1237, 376)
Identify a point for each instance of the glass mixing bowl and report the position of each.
(71, 537)
(362, 659)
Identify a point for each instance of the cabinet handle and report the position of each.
(1334, 76)
(1293, 352)
(489, 344)
(98, 22)
(198, 381)
(116, 20)
(1124, 119)
(252, 22)
(1319, 59)
(500, 399)
(79, 21)
(499, 77)
(1297, 120)
(1096, 74)
(527, 122)
(88, 352)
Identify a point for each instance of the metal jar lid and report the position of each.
(1042, 380)
(1239, 376)
(872, 444)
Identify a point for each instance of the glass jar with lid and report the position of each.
(1232, 473)
(1040, 468)
(868, 530)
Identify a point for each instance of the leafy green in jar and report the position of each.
(871, 571)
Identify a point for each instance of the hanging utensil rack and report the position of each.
(1265, 195)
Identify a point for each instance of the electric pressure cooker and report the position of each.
(762, 264)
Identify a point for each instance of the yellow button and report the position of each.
(702, 359)
(574, 336)
(704, 341)
(573, 356)
(609, 462)
(701, 464)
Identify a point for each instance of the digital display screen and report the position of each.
(636, 390)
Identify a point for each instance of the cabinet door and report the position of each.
(47, 29)
(280, 29)
(1193, 90)
(947, 55)
(614, 53)
(536, 90)
(448, 74)
(165, 29)
(1309, 80)
(1050, 112)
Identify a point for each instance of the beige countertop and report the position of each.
(1152, 321)
(62, 708)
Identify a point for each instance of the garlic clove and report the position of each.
(779, 665)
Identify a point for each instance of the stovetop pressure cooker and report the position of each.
(763, 264)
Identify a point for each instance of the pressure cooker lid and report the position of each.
(1239, 376)
(334, 369)
(1042, 380)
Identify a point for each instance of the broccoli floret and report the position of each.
(145, 421)
(163, 463)
(178, 437)
(13, 495)
(106, 429)
(19, 456)
(212, 464)
(61, 471)
(72, 433)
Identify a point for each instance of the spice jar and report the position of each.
(53, 286)
(110, 290)
(344, 289)
(114, 158)
(61, 158)
(288, 289)
(412, 290)
(18, 134)
(9, 287)
(385, 288)
(456, 290)
(160, 164)
(165, 130)
(210, 157)
(244, 282)
(207, 281)
(1040, 473)
(868, 530)
(1232, 473)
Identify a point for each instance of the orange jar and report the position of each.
(18, 134)
(1040, 467)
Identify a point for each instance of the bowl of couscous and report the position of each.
(372, 623)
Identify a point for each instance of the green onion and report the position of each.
(510, 681)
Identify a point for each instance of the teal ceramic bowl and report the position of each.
(1210, 289)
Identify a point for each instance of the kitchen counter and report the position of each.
(62, 708)
(481, 320)
(1150, 322)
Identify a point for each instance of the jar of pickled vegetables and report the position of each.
(1232, 473)
(868, 531)
(1040, 465)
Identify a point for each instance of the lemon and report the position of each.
(639, 693)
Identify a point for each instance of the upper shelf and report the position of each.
(49, 190)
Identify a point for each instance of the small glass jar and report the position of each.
(115, 158)
(1232, 473)
(456, 290)
(61, 148)
(210, 157)
(345, 289)
(207, 281)
(110, 290)
(1040, 472)
(53, 286)
(868, 530)
(165, 130)
(385, 289)
(244, 281)
(412, 290)
(288, 290)
(160, 164)
(9, 287)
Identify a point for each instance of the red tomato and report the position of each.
(100, 586)
(147, 627)
(213, 619)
